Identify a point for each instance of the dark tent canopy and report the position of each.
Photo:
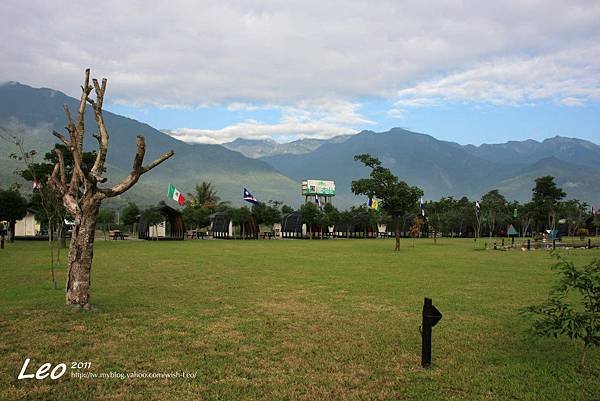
(291, 225)
(220, 224)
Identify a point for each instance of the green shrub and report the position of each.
(573, 306)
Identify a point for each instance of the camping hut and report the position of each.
(171, 228)
(221, 225)
(28, 226)
(291, 225)
(361, 225)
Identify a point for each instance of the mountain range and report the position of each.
(443, 168)
(32, 113)
(272, 170)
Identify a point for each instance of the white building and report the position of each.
(28, 226)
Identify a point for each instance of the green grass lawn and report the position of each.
(272, 320)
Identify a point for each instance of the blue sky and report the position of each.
(462, 123)
(211, 71)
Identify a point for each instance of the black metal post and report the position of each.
(589, 243)
(431, 316)
(553, 244)
(426, 335)
(2, 241)
(502, 241)
(528, 244)
(513, 240)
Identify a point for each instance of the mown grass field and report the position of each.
(278, 320)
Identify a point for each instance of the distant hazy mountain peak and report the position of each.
(8, 83)
(249, 141)
(257, 148)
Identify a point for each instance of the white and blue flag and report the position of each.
(248, 197)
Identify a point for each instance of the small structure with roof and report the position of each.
(171, 228)
(291, 225)
(221, 225)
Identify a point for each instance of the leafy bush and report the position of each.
(573, 306)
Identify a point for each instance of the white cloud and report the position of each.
(570, 77)
(321, 118)
(572, 101)
(288, 56)
(239, 106)
(250, 129)
(196, 52)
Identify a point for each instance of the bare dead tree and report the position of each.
(81, 195)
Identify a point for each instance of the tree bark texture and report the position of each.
(81, 253)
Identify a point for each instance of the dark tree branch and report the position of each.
(62, 138)
(137, 169)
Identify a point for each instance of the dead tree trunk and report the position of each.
(81, 195)
(81, 253)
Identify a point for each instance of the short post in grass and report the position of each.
(589, 243)
(553, 244)
(528, 244)
(431, 316)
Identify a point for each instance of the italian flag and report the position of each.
(176, 195)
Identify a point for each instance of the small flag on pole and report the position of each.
(176, 195)
(422, 207)
(374, 204)
(248, 197)
(477, 207)
(317, 200)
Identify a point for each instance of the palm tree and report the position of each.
(205, 196)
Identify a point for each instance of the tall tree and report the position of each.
(596, 223)
(266, 213)
(13, 207)
(330, 216)
(196, 216)
(131, 214)
(494, 207)
(47, 204)
(546, 198)
(526, 215)
(285, 209)
(464, 212)
(50, 206)
(241, 216)
(416, 227)
(311, 214)
(81, 194)
(205, 195)
(203, 202)
(106, 217)
(397, 196)
(575, 213)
